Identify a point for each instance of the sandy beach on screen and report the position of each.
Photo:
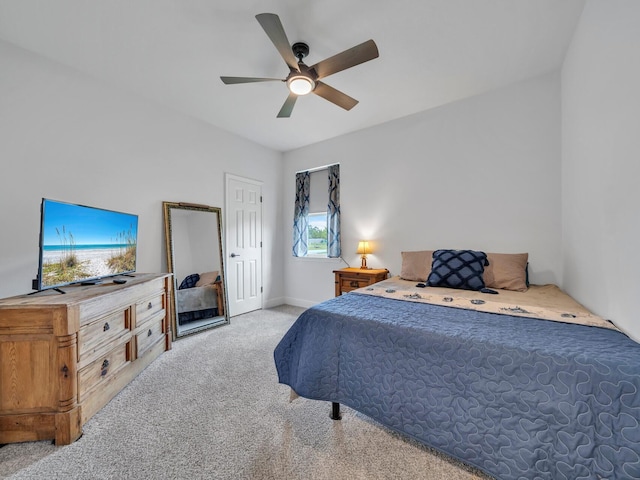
(96, 260)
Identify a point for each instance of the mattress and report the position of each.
(546, 302)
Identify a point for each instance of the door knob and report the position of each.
(234, 255)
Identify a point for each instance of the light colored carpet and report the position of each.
(212, 408)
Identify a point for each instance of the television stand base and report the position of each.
(54, 288)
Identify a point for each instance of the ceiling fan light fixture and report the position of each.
(300, 84)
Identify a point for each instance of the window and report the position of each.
(317, 235)
(316, 223)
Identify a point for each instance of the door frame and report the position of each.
(227, 177)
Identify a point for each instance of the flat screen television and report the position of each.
(80, 244)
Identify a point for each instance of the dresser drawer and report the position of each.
(94, 336)
(102, 370)
(152, 332)
(150, 308)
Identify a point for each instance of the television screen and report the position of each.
(84, 244)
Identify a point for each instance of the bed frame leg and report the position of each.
(335, 411)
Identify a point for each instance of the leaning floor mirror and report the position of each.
(193, 235)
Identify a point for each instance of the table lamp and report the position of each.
(363, 249)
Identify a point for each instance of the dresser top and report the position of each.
(76, 293)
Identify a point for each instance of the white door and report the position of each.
(243, 244)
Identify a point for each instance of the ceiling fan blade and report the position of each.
(335, 96)
(233, 80)
(287, 108)
(349, 58)
(275, 31)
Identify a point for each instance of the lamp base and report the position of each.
(364, 263)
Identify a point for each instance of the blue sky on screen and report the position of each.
(89, 226)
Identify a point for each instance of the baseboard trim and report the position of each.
(274, 302)
(296, 302)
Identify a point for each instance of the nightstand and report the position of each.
(348, 279)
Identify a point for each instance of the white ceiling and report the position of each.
(174, 51)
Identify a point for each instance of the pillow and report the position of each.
(416, 265)
(189, 281)
(458, 269)
(207, 278)
(507, 271)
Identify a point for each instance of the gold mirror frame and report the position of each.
(189, 233)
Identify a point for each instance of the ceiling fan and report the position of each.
(303, 79)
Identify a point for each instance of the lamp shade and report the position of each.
(363, 247)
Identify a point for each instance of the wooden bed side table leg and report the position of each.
(335, 411)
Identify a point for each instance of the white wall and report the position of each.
(67, 137)
(601, 162)
(482, 173)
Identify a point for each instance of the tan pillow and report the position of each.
(416, 265)
(507, 271)
(207, 278)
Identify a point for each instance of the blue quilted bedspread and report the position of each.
(515, 397)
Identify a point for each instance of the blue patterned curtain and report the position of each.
(333, 213)
(301, 215)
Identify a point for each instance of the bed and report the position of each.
(520, 384)
(199, 296)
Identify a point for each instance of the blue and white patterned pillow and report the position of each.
(458, 269)
(189, 281)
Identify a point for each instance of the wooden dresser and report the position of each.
(348, 279)
(64, 356)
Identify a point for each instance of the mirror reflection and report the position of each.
(194, 256)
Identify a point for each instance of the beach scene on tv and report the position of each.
(84, 243)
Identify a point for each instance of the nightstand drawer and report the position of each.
(351, 283)
(348, 279)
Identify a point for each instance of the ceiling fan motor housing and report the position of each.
(302, 82)
(300, 50)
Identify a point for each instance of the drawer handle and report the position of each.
(106, 327)
(149, 333)
(354, 283)
(150, 306)
(105, 366)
